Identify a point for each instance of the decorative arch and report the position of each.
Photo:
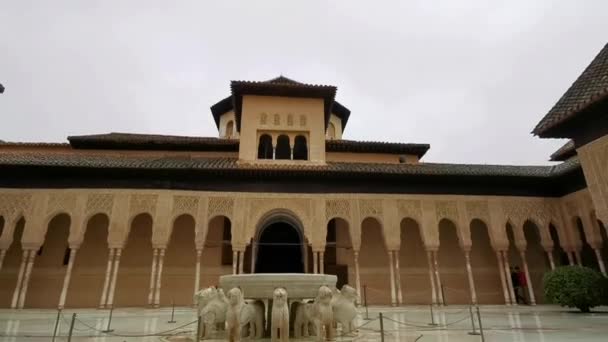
(265, 147)
(374, 261)
(230, 129)
(180, 255)
(483, 261)
(283, 149)
(452, 263)
(12, 262)
(300, 148)
(413, 263)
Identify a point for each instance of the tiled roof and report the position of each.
(231, 165)
(152, 142)
(354, 146)
(589, 88)
(565, 152)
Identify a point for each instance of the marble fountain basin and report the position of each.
(261, 285)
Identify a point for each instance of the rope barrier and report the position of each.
(160, 333)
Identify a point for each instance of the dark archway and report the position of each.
(265, 147)
(300, 149)
(283, 150)
(588, 257)
(279, 249)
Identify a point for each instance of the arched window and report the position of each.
(283, 149)
(229, 129)
(300, 149)
(331, 131)
(265, 147)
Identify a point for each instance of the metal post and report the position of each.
(172, 312)
(56, 324)
(474, 332)
(443, 296)
(71, 327)
(433, 324)
(365, 302)
(381, 328)
(198, 328)
(109, 321)
(483, 339)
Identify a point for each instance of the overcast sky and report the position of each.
(468, 77)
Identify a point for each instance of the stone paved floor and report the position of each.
(521, 324)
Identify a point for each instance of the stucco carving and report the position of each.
(277, 119)
(12, 205)
(516, 211)
(302, 120)
(409, 208)
(446, 209)
(478, 209)
(60, 202)
(220, 206)
(337, 208)
(99, 203)
(263, 118)
(185, 205)
(571, 208)
(289, 119)
(143, 203)
(371, 208)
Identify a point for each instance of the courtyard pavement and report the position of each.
(410, 323)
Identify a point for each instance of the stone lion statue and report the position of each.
(252, 319)
(233, 314)
(211, 307)
(279, 329)
(304, 320)
(344, 308)
(324, 315)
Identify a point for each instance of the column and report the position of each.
(274, 152)
(24, 258)
(528, 280)
(315, 260)
(322, 262)
(429, 259)
(467, 258)
(254, 249)
(235, 259)
(600, 261)
(197, 271)
(507, 271)
(241, 261)
(438, 279)
(161, 259)
(398, 278)
(357, 276)
(152, 276)
(106, 282)
(2, 254)
(66, 279)
(579, 260)
(26, 279)
(503, 283)
(110, 302)
(570, 255)
(551, 261)
(392, 275)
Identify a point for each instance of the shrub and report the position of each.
(575, 286)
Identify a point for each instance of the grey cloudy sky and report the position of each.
(471, 78)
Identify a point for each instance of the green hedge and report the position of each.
(576, 287)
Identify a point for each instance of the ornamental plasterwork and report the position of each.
(302, 120)
(477, 209)
(263, 118)
(289, 119)
(60, 202)
(143, 204)
(260, 206)
(337, 208)
(13, 204)
(517, 211)
(409, 208)
(370, 208)
(220, 206)
(185, 205)
(277, 119)
(446, 209)
(571, 208)
(100, 203)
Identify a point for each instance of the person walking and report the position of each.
(523, 284)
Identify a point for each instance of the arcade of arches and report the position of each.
(152, 250)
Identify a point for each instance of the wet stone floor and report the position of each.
(410, 323)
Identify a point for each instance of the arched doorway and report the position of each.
(279, 246)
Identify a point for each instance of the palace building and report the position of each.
(117, 220)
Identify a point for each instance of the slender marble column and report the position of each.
(392, 275)
(438, 278)
(398, 278)
(241, 261)
(429, 259)
(507, 271)
(197, 272)
(110, 302)
(357, 275)
(551, 261)
(528, 280)
(159, 275)
(315, 260)
(571, 261)
(24, 257)
(467, 258)
(235, 259)
(106, 282)
(26, 279)
(600, 261)
(254, 249)
(2, 254)
(322, 262)
(579, 260)
(66, 279)
(152, 277)
(503, 283)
